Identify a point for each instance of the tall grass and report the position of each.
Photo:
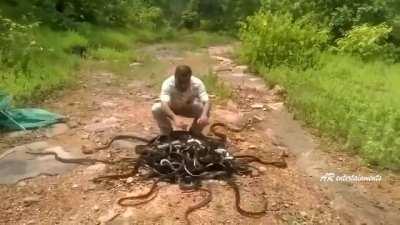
(354, 102)
(217, 87)
(58, 55)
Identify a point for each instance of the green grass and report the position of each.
(55, 62)
(217, 87)
(353, 102)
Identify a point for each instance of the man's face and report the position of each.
(182, 83)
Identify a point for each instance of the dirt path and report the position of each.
(107, 104)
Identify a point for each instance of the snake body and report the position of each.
(82, 161)
(237, 203)
(279, 164)
(153, 188)
(187, 165)
(199, 205)
(123, 137)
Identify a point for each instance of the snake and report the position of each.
(152, 190)
(199, 205)
(122, 137)
(243, 212)
(279, 164)
(82, 161)
(38, 175)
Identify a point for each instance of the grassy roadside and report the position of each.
(57, 57)
(353, 102)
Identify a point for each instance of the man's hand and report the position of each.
(180, 124)
(203, 121)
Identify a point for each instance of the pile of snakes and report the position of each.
(184, 159)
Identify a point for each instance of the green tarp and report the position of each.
(23, 119)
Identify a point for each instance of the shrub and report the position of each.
(273, 40)
(16, 45)
(354, 102)
(367, 42)
(112, 54)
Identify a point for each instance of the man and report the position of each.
(184, 95)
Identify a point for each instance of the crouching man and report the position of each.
(184, 95)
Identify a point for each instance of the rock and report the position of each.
(240, 75)
(28, 201)
(95, 169)
(134, 64)
(75, 186)
(56, 130)
(227, 116)
(73, 124)
(18, 134)
(242, 68)
(85, 136)
(276, 106)
(257, 106)
(222, 68)
(124, 144)
(258, 118)
(87, 150)
(91, 187)
(278, 90)
(271, 135)
(37, 146)
(262, 169)
(129, 180)
(252, 147)
(31, 222)
(108, 104)
(21, 184)
(230, 105)
(303, 214)
(96, 208)
(147, 97)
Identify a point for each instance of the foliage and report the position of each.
(350, 100)
(217, 87)
(274, 40)
(338, 15)
(366, 41)
(67, 14)
(16, 45)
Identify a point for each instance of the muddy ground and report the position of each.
(105, 104)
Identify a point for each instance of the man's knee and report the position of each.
(156, 109)
(198, 109)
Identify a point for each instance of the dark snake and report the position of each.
(146, 151)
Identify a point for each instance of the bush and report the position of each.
(354, 102)
(367, 42)
(16, 45)
(273, 40)
(112, 54)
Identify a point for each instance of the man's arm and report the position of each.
(206, 104)
(168, 110)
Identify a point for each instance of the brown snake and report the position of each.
(121, 137)
(153, 188)
(82, 161)
(199, 205)
(237, 203)
(279, 164)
